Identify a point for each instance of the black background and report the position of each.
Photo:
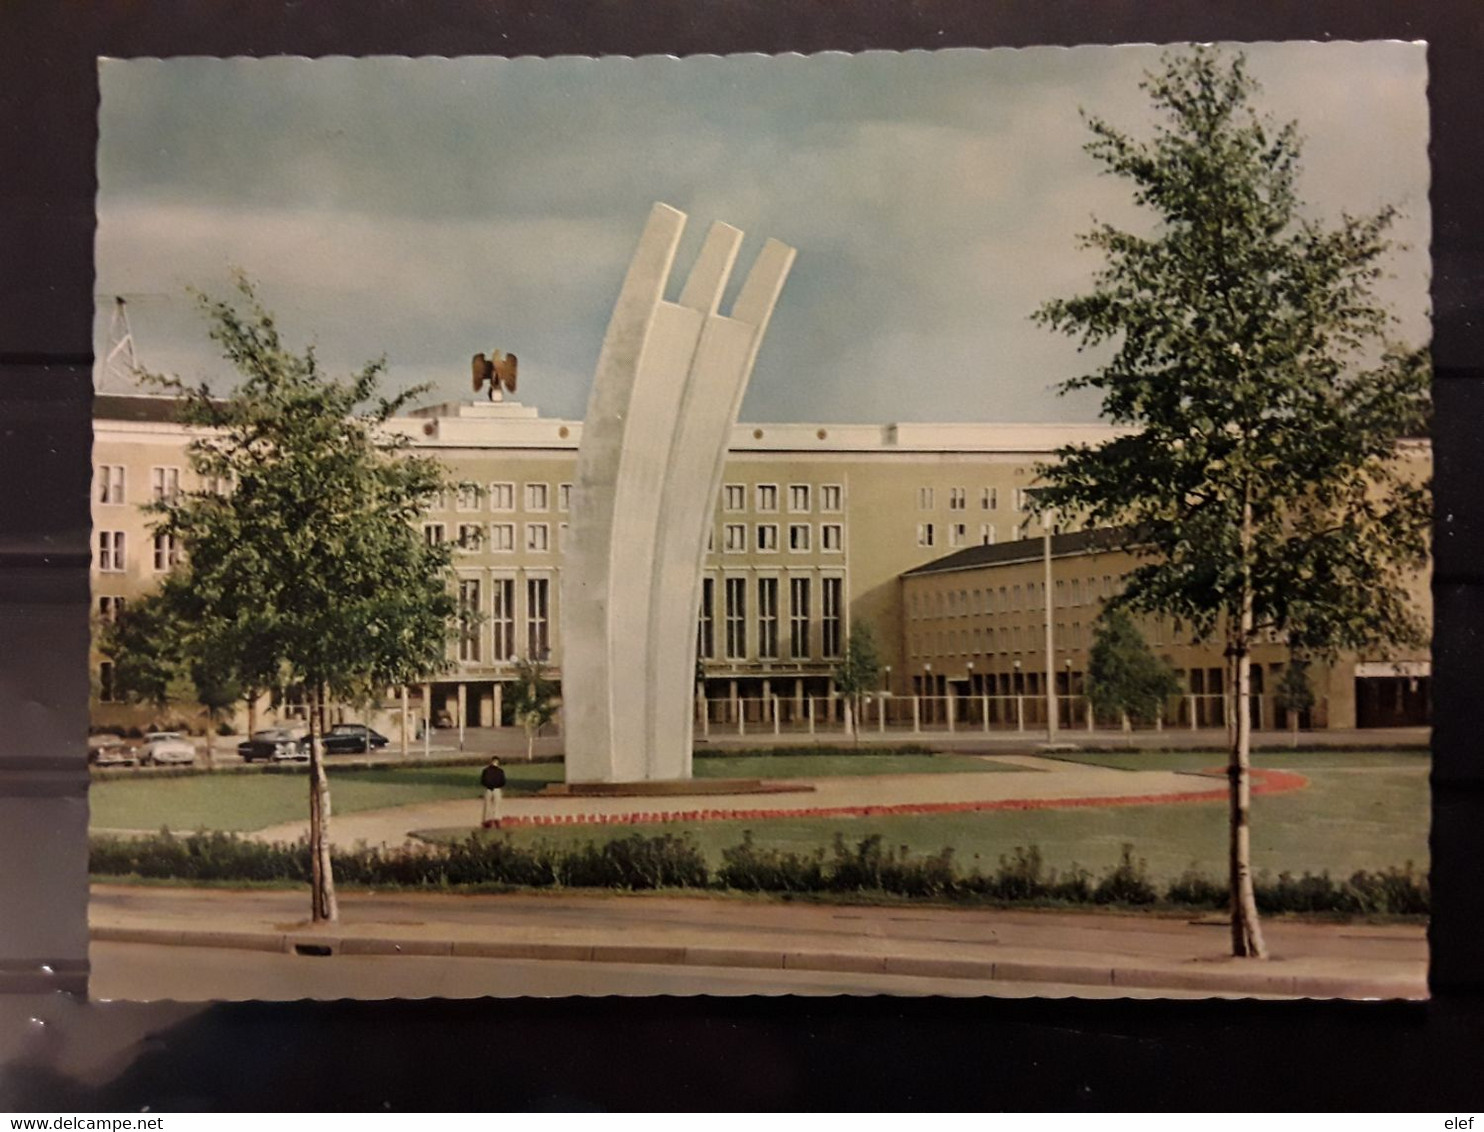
(700, 1053)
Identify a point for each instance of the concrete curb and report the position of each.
(999, 970)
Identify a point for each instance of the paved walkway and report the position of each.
(1032, 782)
(1139, 953)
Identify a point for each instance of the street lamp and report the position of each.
(971, 678)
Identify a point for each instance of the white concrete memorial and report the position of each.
(666, 393)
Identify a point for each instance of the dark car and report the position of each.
(351, 739)
(277, 744)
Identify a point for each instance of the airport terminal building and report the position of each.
(921, 531)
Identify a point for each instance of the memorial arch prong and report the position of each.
(666, 392)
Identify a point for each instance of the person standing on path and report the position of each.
(492, 778)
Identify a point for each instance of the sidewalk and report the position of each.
(1138, 952)
(1027, 782)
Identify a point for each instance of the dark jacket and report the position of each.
(492, 777)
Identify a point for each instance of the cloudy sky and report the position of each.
(427, 209)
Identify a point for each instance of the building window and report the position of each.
(1020, 498)
(831, 612)
(706, 628)
(798, 497)
(767, 537)
(734, 497)
(924, 499)
(164, 484)
(986, 534)
(989, 499)
(564, 497)
(1076, 591)
(433, 533)
(111, 552)
(798, 538)
(710, 540)
(167, 552)
(502, 537)
(471, 536)
(469, 620)
(767, 618)
(767, 497)
(467, 498)
(831, 497)
(109, 608)
(924, 534)
(958, 534)
(502, 497)
(110, 483)
(736, 618)
(831, 538)
(538, 618)
(798, 618)
(538, 537)
(958, 498)
(502, 617)
(562, 538)
(106, 692)
(1060, 594)
(1017, 598)
(538, 497)
(734, 538)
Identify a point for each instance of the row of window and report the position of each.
(800, 538)
(1007, 599)
(958, 534)
(491, 602)
(110, 484)
(760, 634)
(501, 497)
(112, 552)
(958, 498)
(765, 497)
(1004, 639)
(496, 538)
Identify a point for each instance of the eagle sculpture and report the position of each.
(497, 371)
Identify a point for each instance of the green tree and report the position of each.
(858, 672)
(144, 647)
(533, 699)
(1124, 677)
(1261, 480)
(306, 564)
(1294, 694)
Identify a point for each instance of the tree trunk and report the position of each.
(1247, 938)
(530, 741)
(850, 728)
(323, 906)
(210, 740)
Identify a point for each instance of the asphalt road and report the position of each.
(144, 972)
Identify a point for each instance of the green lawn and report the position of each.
(242, 802)
(1359, 812)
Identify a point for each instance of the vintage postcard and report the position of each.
(928, 523)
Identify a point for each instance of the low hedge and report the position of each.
(866, 867)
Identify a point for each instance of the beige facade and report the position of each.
(814, 525)
(818, 526)
(975, 630)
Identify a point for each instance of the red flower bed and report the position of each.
(1263, 782)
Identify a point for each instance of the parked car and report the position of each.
(171, 747)
(111, 750)
(278, 744)
(352, 739)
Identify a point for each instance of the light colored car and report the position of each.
(167, 747)
(111, 750)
